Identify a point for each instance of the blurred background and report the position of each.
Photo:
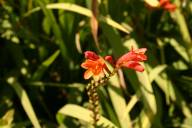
(41, 49)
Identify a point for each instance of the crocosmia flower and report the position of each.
(131, 59)
(95, 66)
(167, 5)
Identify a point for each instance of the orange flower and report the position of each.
(167, 5)
(131, 59)
(95, 66)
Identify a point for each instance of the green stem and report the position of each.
(180, 19)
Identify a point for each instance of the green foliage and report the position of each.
(41, 50)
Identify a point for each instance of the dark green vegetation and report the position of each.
(41, 50)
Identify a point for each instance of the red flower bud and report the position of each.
(132, 59)
(91, 55)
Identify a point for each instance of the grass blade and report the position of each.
(180, 49)
(83, 114)
(21, 93)
(56, 30)
(43, 67)
(116, 94)
(139, 81)
(180, 19)
(7, 119)
(171, 92)
(82, 11)
(145, 85)
(155, 72)
(107, 108)
(130, 105)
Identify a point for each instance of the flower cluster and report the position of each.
(96, 66)
(167, 5)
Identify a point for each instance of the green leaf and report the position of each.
(116, 94)
(156, 71)
(179, 48)
(43, 67)
(139, 81)
(172, 92)
(78, 86)
(130, 105)
(56, 29)
(24, 99)
(83, 11)
(143, 121)
(6, 120)
(190, 6)
(180, 20)
(187, 123)
(83, 114)
(107, 108)
(118, 101)
(46, 25)
(145, 85)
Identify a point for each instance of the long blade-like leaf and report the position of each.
(155, 72)
(42, 68)
(118, 102)
(21, 93)
(82, 11)
(83, 114)
(56, 29)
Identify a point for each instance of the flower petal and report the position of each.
(89, 64)
(140, 50)
(125, 58)
(91, 55)
(163, 2)
(140, 57)
(170, 7)
(134, 65)
(98, 76)
(133, 55)
(88, 74)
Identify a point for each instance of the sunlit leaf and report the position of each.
(116, 94)
(82, 11)
(143, 79)
(24, 99)
(131, 104)
(6, 120)
(156, 71)
(81, 113)
(172, 93)
(178, 16)
(179, 48)
(56, 29)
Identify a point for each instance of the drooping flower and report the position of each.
(95, 66)
(164, 4)
(131, 59)
(167, 5)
